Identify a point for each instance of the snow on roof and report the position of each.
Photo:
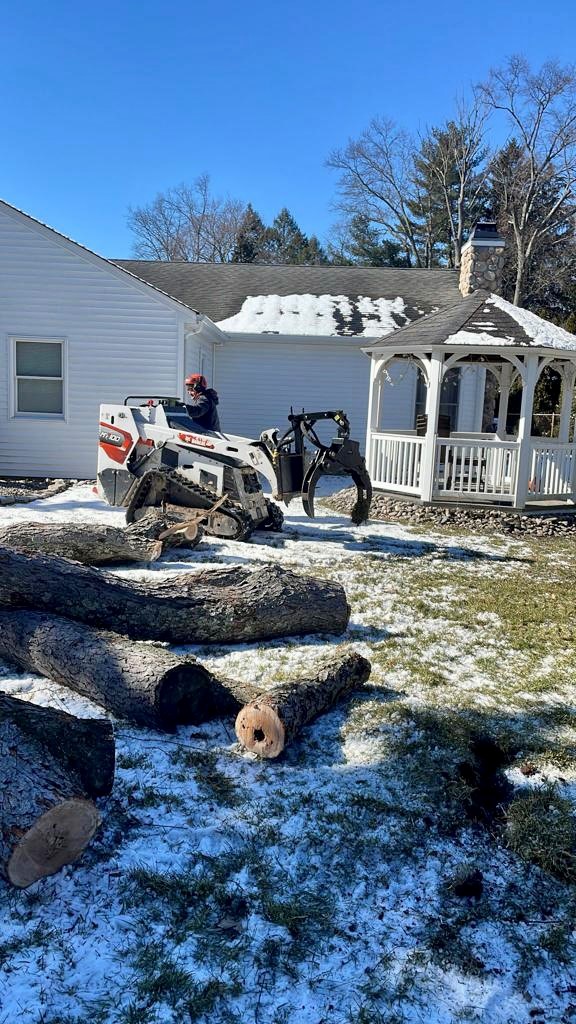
(538, 333)
(479, 338)
(326, 315)
(541, 331)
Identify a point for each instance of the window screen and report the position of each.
(39, 385)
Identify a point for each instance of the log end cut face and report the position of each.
(184, 696)
(55, 839)
(260, 729)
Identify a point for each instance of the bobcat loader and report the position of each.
(152, 453)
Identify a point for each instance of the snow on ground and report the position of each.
(321, 888)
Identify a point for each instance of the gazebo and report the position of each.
(504, 349)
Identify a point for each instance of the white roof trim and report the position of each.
(334, 341)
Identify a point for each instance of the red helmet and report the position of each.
(196, 380)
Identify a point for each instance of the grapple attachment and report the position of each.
(298, 475)
(340, 457)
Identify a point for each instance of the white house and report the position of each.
(76, 330)
(293, 336)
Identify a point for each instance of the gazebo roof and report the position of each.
(477, 321)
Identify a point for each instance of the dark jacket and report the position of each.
(202, 409)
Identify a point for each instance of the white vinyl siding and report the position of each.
(398, 396)
(199, 358)
(259, 382)
(471, 398)
(38, 376)
(121, 338)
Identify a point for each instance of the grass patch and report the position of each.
(213, 781)
(11, 947)
(148, 796)
(306, 915)
(541, 828)
(159, 978)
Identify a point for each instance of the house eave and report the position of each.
(335, 341)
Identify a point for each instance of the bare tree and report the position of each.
(536, 182)
(455, 159)
(376, 181)
(187, 223)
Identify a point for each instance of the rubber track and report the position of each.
(203, 497)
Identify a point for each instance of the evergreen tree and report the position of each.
(316, 254)
(288, 244)
(252, 239)
(361, 243)
(450, 182)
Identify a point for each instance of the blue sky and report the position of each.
(104, 105)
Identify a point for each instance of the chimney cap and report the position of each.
(486, 233)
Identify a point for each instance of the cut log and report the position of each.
(271, 721)
(227, 605)
(169, 525)
(45, 821)
(88, 543)
(142, 682)
(84, 745)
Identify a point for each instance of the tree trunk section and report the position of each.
(271, 721)
(228, 605)
(88, 543)
(152, 525)
(143, 683)
(84, 746)
(45, 821)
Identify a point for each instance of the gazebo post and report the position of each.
(434, 373)
(374, 398)
(529, 381)
(506, 371)
(568, 374)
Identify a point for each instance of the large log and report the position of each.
(45, 820)
(142, 682)
(88, 543)
(84, 745)
(227, 605)
(274, 718)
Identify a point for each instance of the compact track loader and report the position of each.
(152, 453)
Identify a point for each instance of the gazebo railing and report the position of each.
(466, 469)
(395, 462)
(482, 471)
(552, 470)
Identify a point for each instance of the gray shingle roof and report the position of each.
(479, 319)
(219, 289)
(435, 328)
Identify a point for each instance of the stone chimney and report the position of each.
(482, 259)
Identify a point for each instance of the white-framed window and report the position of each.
(38, 376)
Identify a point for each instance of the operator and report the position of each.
(202, 403)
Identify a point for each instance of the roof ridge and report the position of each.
(448, 271)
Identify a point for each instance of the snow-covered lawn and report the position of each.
(368, 876)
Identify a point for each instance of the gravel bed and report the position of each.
(490, 520)
(20, 490)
